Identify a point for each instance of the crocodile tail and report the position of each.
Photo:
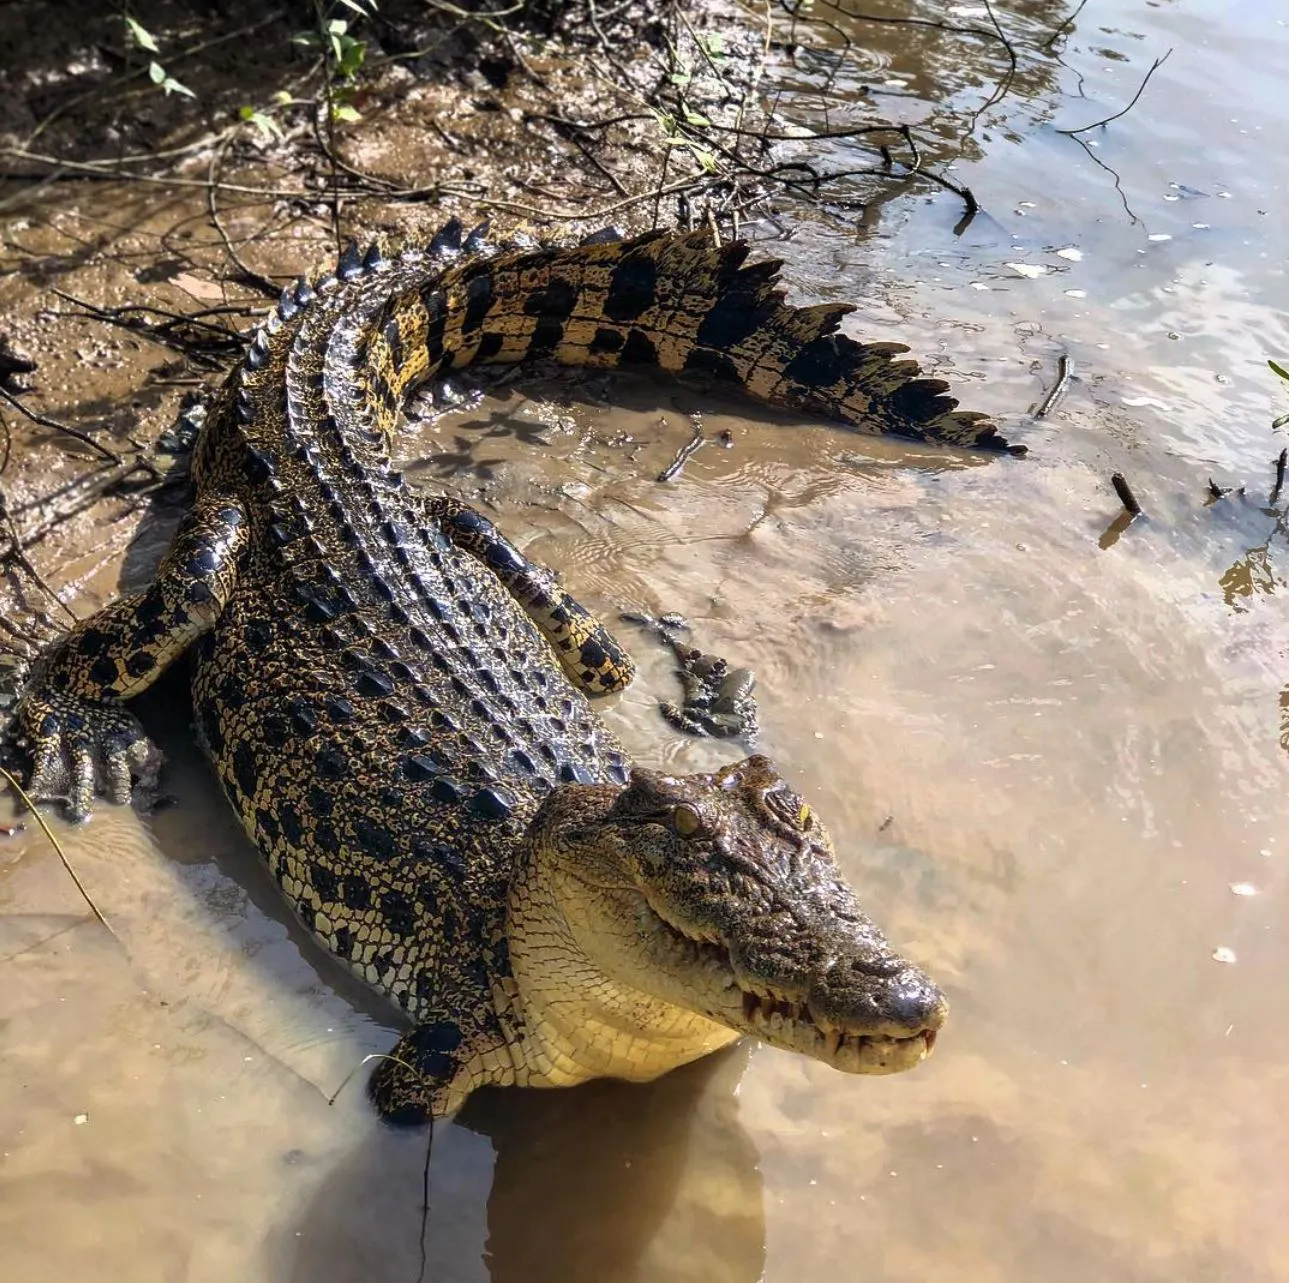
(679, 302)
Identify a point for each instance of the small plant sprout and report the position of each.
(141, 38)
(342, 53)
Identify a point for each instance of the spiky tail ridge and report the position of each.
(670, 301)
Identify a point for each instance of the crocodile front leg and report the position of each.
(81, 737)
(434, 1067)
(592, 658)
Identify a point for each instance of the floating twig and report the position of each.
(1064, 368)
(1056, 35)
(1126, 497)
(1096, 124)
(695, 443)
(1114, 173)
(1110, 535)
(1281, 461)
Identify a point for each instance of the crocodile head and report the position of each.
(683, 911)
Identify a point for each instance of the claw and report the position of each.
(116, 779)
(80, 795)
(81, 748)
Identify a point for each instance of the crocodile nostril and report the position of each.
(916, 1003)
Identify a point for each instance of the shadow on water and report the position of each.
(602, 1183)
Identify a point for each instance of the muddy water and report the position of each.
(1048, 748)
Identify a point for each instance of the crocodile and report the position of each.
(395, 698)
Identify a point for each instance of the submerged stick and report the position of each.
(54, 842)
(695, 443)
(1126, 497)
(1280, 472)
(1096, 124)
(1064, 368)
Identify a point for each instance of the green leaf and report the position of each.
(156, 73)
(344, 111)
(141, 36)
(1280, 370)
(268, 127)
(357, 6)
(171, 86)
(680, 77)
(696, 118)
(351, 58)
(337, 27)
(283, 98)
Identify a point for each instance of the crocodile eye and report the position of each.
(685, 820)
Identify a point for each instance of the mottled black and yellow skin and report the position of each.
(375, 670)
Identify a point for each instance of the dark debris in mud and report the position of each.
(553, 113)
(718, 701)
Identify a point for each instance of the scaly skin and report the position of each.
(394, 698)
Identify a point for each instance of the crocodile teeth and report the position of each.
(373, 260)
(351, 264)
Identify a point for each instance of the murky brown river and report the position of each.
(1051, 758)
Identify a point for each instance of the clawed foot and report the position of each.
(79, 749)
(413, 1084)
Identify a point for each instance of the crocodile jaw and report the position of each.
(580, 1022)
(702, 975)
(640, 998)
